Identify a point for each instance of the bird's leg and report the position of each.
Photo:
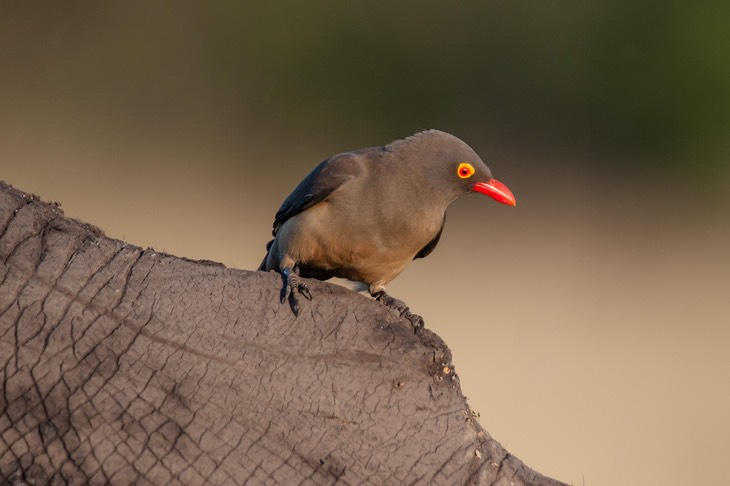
(292, 285)
(400, 307)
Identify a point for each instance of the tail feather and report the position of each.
(262, 267)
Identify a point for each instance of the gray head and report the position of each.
(449, 166)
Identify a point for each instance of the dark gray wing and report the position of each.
(426, 250)
(324, 179)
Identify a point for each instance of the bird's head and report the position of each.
(475, 176)
(453, 168)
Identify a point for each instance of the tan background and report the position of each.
(590, 325)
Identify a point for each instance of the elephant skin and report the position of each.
(122, 365)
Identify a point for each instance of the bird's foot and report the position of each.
(292, 286)
(401, 308)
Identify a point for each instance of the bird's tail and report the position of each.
(262, 267)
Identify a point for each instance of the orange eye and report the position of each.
(465, 170)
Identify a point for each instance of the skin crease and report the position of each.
(365, 215)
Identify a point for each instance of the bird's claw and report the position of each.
(304, 290)
(401, 308)
(293, 286)
(416, 320)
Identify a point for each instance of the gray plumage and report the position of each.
(365, 215)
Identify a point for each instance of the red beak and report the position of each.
(497, 191)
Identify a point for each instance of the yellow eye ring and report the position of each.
(465, 170)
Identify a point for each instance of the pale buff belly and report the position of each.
(352, 251)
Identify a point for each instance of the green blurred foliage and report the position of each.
(650, 76)
(648, 80)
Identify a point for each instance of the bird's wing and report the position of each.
(324, 179)
(426, 250)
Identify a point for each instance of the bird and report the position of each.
(364, 215)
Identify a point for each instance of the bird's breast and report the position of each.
(369, 245)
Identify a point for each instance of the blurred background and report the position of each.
(590, 325)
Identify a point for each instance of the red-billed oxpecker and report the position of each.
(365, 215)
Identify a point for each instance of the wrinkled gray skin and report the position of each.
(126, 366)
(365, 215)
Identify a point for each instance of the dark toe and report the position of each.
(417, 322)
(294, 304)
(401, 308)
(284, 292)
(304, 290)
